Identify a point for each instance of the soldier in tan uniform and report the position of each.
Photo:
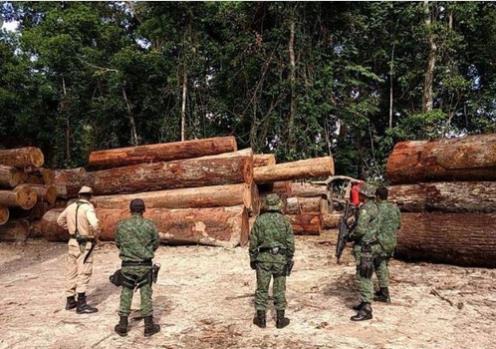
(80, 220)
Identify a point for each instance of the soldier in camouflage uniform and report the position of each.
(271, 255)
(365, 249)
(390, 223)
(137, 238)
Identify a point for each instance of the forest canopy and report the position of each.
(299, 79)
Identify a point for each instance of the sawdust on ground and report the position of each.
(204, 299)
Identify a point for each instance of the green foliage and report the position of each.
(76, 76)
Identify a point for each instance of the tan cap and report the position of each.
(85, 190)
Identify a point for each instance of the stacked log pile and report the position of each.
(446, 191)
(25, 187)
(196, 192)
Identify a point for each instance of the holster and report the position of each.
(116, 278)
(366, 267)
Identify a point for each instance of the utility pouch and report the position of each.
(116, 278)
(155, 270)
(366, 267)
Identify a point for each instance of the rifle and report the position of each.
(345, 230)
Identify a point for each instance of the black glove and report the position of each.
(253, 265)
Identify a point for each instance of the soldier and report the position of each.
(137, 239)
(365, 249)
(271, 255)
(80, 220)
(390, 223)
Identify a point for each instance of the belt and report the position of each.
(272, 250)
(146, 263)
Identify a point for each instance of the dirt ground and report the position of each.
(204, 299)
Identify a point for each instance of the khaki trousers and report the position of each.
(78, 273)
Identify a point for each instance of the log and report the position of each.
(230, 168)
(22, 157)
(292, 206)
(161, 152)
(445, 196)
(68, 182)
(468, 158)
(10, 177)
(15, 231)
(310, 168)
(39, 176)
(331, 220)
(283, 188)
(465, 239)
(20, 196)
(4, 215)
(260, 160)
(219, 226)
(297, 205)
(47, 193)
(306, 223)
(309, 190)
(213, 196)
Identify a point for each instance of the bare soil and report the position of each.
(204, 299)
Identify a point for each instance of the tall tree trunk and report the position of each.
(67, 124)
(183, 104)
(427, 98)
(292, 79)
(391, 86)
(132, 123)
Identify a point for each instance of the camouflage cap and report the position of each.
(85, 190)
(273, 202)
(367, 190)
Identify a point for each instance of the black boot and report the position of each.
(281, 321)
(365, 313)
(150, 327)
(121, 327)
(71, 303)
(383, 295)
(358, 306)
(260, 319)
(83, 307)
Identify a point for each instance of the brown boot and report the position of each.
(150, 327)
(281, 321)
(71, 303)
(260, 319)
(121, 327)
(83, 307)
(365, 313)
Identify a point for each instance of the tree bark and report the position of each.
(331, 220)
(132, 122)
(15, 231)
(445, 196)
(22, 157)
(282, 188)
(21, 197)
(161, 152)
(68, 182)
(297, 205)
(309, 190)
(219, 226)
(10, 176)
(230, 168)
(260, 160)
(4, 215)
(183, 104)
(310, 168)
(465, 239)
(212, 196)
(306, 223)
(292, 80)
(427, 98)
(468, 158)
(47, 193)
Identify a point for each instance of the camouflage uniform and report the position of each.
(390, 223)
(271, 230)
(137, 239)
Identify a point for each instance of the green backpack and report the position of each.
(390, 223)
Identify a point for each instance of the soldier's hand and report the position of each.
(253, 265)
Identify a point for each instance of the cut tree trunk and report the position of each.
(296, 205)
(260, 160)
(310, 168)
(15, 231)
(283, 188)
(292, 206)
(445, 196)
(309, 190)
(21, 196)
(39, 176)
(47, 193)
(68, 182)
(468, 158)
(466, 239)
(4, 215)
(10, 177)
(22, 157)
(219, 226)
(213, 196)
(331, 220)
(230, 168)
(306, 223)
(161, 152)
